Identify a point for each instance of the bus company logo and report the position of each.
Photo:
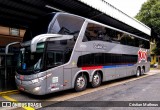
(142, 55)
(99, 46)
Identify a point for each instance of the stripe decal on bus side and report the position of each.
(92, 67)
(100, 67)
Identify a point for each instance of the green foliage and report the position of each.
(150, 15)
(156, 50)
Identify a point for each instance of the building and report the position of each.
(9, 34)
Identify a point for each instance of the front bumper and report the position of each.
(29, 87)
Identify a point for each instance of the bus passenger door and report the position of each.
(55, 71)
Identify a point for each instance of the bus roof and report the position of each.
(109, 10)
(90, 20)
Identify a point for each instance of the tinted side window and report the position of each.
(54, 59)
(98, 32)
(99, 58)
(50, 60)
(67, 56)
(142, 43)
(102, 59)
(130, 40)
(115, 36)
(147, 45)
(85, 60)
(108, 59)
(94, 32)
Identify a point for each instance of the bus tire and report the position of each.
(80, 82)
(143, 70)
(96, 79)
(138, 72)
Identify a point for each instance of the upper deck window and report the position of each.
(65, 24)
(100, 33)
(55, 23)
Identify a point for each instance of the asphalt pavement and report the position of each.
(144, 89)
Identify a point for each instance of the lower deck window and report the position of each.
(102, 59)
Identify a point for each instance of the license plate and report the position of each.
(21, 88)
(21, 77)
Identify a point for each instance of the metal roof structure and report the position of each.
(113, 12)
(21, 13)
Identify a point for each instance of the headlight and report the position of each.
(35, 81)
(36, 89)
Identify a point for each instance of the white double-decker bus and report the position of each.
(63, 51)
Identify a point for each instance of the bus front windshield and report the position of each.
(30, 62)
(33, 62)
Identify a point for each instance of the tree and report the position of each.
(150, 15)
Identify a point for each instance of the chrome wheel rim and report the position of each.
(96, 79)
(138, 72)
(81, 82)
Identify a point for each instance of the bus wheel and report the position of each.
(138, 72)
(96, 80)
(142, 72)
(80, 83)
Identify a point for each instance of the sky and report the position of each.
(130, 7)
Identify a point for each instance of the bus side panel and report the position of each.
(131, 70)
(110, 73)
(67, 79)
(55, 81)
(147, 67)
(120, 71)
